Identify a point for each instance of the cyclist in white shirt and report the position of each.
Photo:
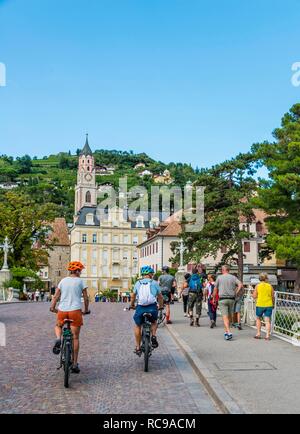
(146, 292)
(69, 291)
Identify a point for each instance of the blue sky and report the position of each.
(184, 80)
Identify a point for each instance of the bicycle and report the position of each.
(67, 349)
(146, 346)
(161, 317)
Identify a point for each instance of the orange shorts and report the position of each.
(75, 315)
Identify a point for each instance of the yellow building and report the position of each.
(105, 242)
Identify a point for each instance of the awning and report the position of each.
(253, 279)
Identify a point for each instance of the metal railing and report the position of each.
(285, 316)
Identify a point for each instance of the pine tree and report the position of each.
(229, 188)
(279, 196)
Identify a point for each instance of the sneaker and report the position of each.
(191, 322)
(154, 342)
(239, 327)
(226, 336)
(169, 321)
(75, 369)
(185, 315)
(57, 345)
(212, 324)
(197, 322)
(229, 336)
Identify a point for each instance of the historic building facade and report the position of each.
(156, 250)
(105, 241)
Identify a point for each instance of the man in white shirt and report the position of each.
(69, 291)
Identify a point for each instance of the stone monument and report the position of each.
(5, 274)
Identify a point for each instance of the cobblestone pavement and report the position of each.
(112, 378)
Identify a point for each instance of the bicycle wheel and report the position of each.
(67, 364)
(161, 318)
(146, 352)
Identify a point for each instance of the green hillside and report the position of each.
(52, 178)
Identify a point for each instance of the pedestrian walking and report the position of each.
(195, 297)
(42, 295)
(237, 309)
(203, 275)
(173, 290)
(212, 303)
(227, 287)
(185, 293)
(37, 295)
(167, 283)
(264, 295)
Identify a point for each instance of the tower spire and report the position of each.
(86, 149)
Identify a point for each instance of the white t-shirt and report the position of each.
(71, 291)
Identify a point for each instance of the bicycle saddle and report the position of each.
(147, 315)
(68, 320)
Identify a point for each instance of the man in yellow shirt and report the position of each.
(264, 295)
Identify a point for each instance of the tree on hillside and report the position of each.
(8, 171)
(228, 189)
(24, 164)
(63, 162)
(23, 222)
(279, 196)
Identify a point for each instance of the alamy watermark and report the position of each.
(184, 204)
(296, 76)
(2, 75)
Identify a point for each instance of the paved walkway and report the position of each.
(263, 377)
(112, 378)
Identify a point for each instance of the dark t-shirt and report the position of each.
(166, 282)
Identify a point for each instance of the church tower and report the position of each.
(86, 188)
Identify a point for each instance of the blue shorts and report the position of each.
(264, 311)
(140, 310)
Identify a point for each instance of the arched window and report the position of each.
(88, 168)
(88, 197)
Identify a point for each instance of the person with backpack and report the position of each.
(195, 297)
(147, 293)
(212, 303)
(185, 293)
